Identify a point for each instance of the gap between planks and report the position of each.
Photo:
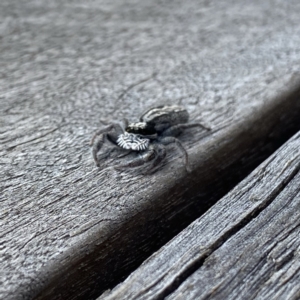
(169, 269)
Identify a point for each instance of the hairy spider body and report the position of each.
(158, 119)
(157, 127)
(163, 117)
(131, 141)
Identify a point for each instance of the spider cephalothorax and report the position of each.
(140, 128)
(156, 128)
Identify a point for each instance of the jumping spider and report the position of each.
(157, 127)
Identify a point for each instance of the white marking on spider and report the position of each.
(131, 141)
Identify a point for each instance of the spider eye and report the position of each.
(131, 129)
(140, 128)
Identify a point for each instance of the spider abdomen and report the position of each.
(165, 116)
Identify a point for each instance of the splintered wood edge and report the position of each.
(261, 261)
(231, 239)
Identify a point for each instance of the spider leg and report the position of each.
(172, 140)
(111, 137)
(191, 125)
(118, 129)
(155, 153)
(125, 154)
(105, 134)
(160, 155)
(149, 136)
(97, 146)
(147, 156)
(175, 130)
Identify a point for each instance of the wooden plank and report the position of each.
(245, 247)
(65, 66)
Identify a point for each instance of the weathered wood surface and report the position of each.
(246, 246)
(66, 65)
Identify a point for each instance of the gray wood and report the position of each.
(70, 230)
(245, 247)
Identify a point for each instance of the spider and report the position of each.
(156, 128)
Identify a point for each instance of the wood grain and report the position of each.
(245, 247)
(67, 65)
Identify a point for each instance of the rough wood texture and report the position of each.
(66, 65)
(245, 247)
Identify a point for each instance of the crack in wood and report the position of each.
(198, 263)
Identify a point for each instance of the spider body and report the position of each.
(158, 119)
(156, 128)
